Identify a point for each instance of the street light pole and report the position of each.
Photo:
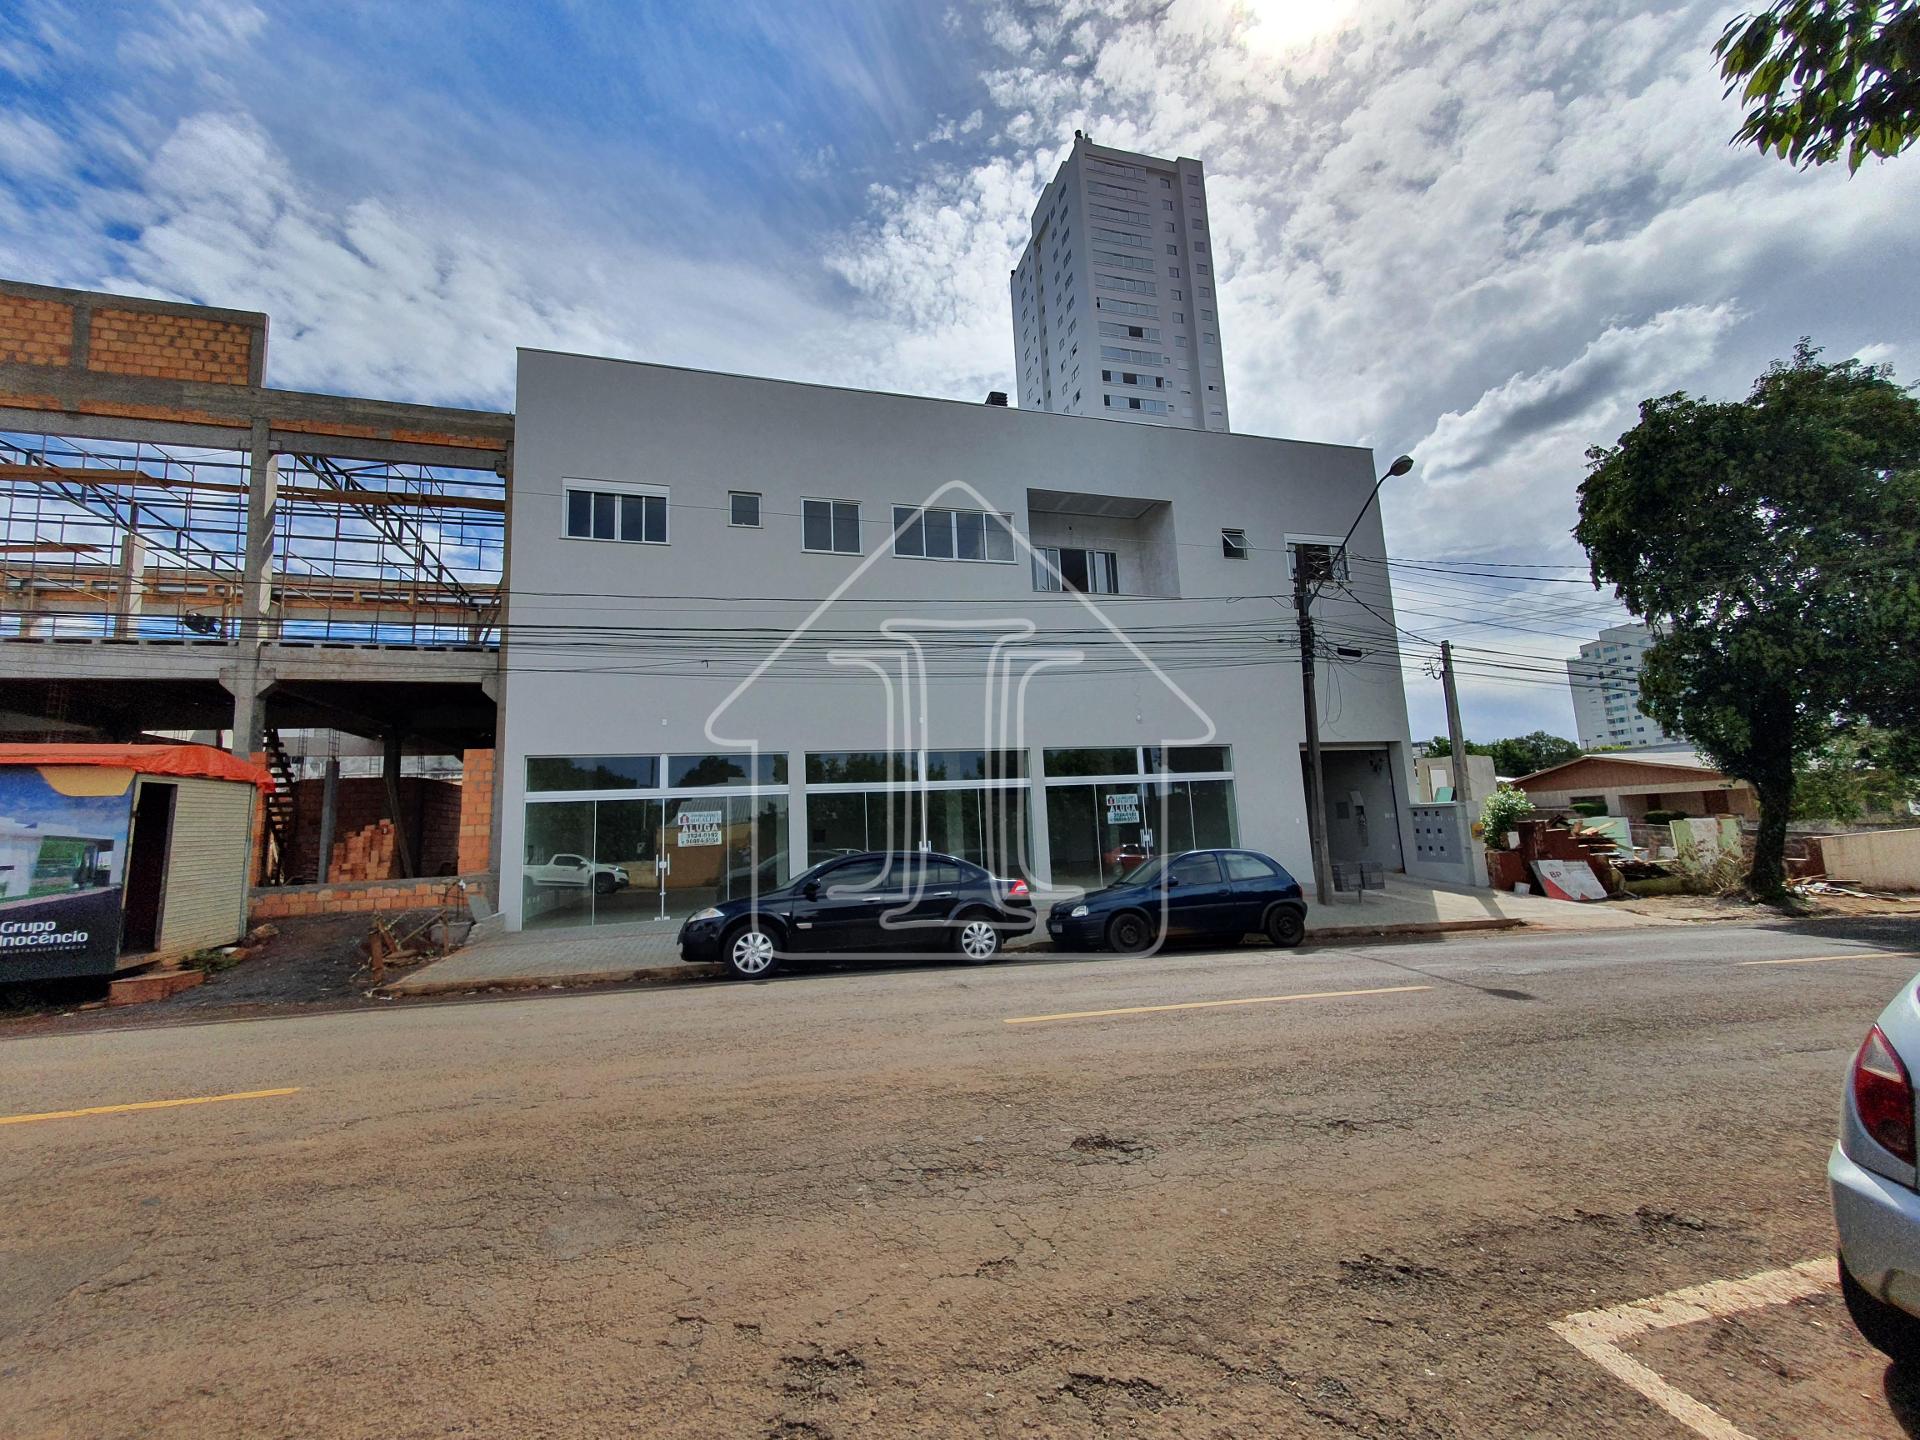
(1303, 598)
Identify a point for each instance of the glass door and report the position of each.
(626, 841)
(719, 845)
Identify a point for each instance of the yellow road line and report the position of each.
(1213, 1004)
(1850, 955)
(146, 1105)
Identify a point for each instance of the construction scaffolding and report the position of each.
(103, 539)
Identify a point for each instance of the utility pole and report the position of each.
(1316, 779)
(1329, 563)
(1456, 740)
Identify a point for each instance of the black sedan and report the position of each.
(1220, 893)
(864, 904)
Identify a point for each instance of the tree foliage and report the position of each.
(1859, 772)
(1518, 755)
(1823, 78)
(1775, 542)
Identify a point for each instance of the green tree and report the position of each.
(1860, 771)
(1776, 542)
(1822, 78)
(1524, 754)
(1520, 755)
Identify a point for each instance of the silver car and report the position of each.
(1872, 1175)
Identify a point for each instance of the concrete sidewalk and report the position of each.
(537, 959)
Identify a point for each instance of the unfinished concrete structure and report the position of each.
(183, 547)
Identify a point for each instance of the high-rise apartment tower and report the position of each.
(1114, 305)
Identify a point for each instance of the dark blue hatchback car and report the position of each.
(1220, 893)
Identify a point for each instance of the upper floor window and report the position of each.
(951, 534)
(743, 509)
(830, 525)
(1233, 544)
(1089, 572)
(633, 513)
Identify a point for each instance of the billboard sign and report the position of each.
(63, 852)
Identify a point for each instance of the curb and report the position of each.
(680, 973)
(1417, 927)
(675, 974)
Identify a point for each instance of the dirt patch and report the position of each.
(312, 961)
(1376, 1272)
(1115, 1148)
(1100, 1393)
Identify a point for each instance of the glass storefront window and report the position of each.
(687, 772)
(1099, 832)
(598, 862)
(849, 821)
(841, 767)
(1188, 759)
(557, 883)
(1088, 761)
(593, 772)
(976, 764)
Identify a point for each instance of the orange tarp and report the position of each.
(198, 760)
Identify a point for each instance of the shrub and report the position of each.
(1589, 809)
(1504, 809)
(1664, 817)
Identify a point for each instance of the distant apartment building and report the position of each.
(1114, 305)
(1605, 678)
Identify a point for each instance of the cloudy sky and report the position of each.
(1477, 230)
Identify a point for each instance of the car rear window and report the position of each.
(1249, 867)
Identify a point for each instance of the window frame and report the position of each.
(1233, 543)
(913, 519)
(572, 484)
(737, 524)
(832, 525)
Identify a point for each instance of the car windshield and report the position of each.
(1147, 872)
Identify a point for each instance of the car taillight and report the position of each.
(1883, 1095)
(1016, 888)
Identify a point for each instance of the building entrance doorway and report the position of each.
(146, 874)
(1363, 807)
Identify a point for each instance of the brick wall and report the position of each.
(173, 347)
(35, 332)
(432, 808)
(279, 902)
(476, 812)
(117, 335)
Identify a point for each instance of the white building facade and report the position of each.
(869, 621)
(1605, 680)
(1115, 310)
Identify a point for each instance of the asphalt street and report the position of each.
(1332, 1192)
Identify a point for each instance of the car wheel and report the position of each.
(1286, 926)
(1129, 933)
(603, 884)
(750, 952)
(976, 941)
(1887, 1328)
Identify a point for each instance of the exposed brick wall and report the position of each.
(35, 332)
(476, 812)
(172, 347)
(432, 809)
(277, 902)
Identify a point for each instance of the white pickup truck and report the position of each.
(578, 872)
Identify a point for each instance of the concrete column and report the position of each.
(131, 585)
(256, 592)
(390, 773)
(329, 806)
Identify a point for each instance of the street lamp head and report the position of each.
(1401, 466)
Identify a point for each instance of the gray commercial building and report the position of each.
(756, 623)
(1114, 305)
